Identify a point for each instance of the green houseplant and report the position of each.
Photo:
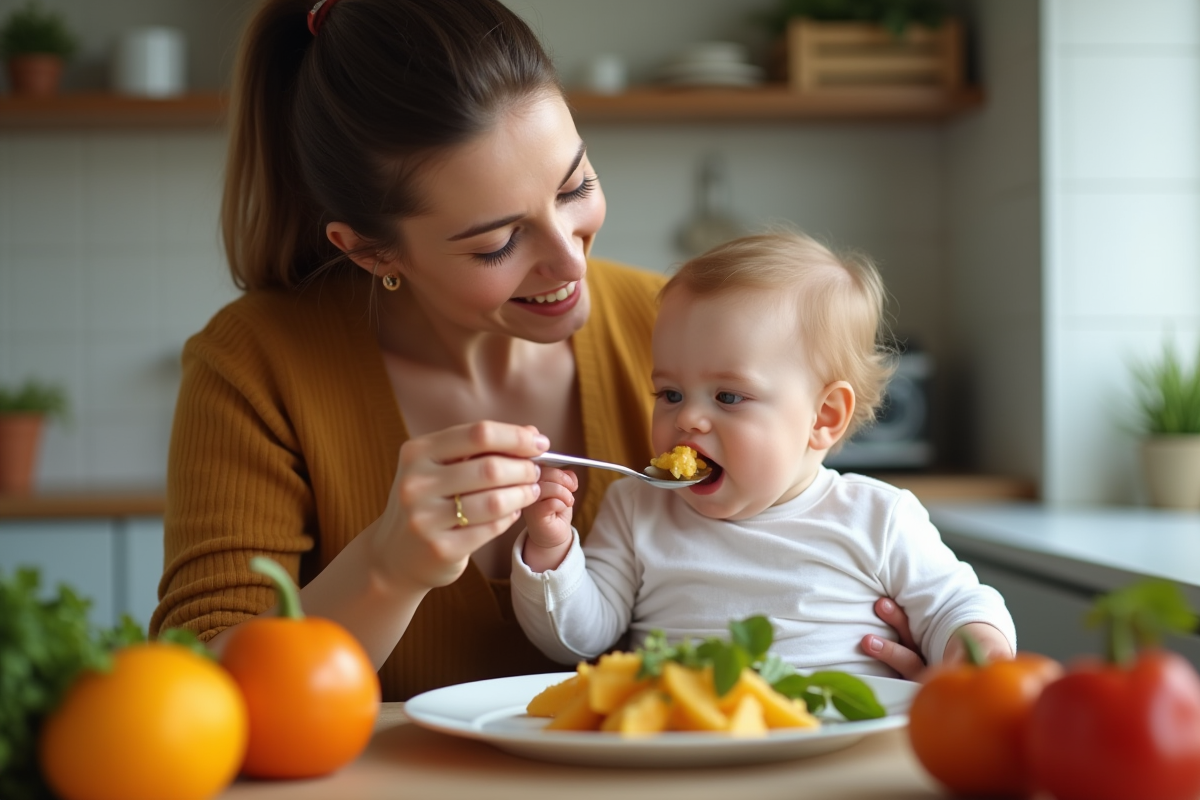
(35, 43)
(1168, 411)
(23, 411)
(895, 15)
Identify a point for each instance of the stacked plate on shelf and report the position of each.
(711, 64)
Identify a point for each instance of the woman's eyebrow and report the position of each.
(484, 227)
(575, 163)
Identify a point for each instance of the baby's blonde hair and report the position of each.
(840, 305)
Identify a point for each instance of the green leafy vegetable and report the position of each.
(44, 645)
(1137, 616)
(748, 645)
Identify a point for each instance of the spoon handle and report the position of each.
(564, 460)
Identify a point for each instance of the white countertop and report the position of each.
(1093, 549)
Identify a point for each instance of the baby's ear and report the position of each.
(835, 409)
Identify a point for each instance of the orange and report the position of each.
(163, 723)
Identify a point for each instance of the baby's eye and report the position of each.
(729, 398)
(671, 395)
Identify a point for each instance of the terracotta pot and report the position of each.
(20, 439)
(35, 75)
(1172, 470)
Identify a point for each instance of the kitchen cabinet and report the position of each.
(116, 562)
(1050, 564)
(638, 105)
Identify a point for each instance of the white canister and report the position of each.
(151, 62)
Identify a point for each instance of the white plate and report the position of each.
(494, 712)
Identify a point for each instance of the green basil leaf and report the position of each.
(754, 635)
(728, 664)
(793, 686)
(849, 695)
(773, 669)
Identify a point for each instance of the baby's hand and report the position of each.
(990, 640)
(549, 520)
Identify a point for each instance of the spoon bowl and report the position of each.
(654, 476)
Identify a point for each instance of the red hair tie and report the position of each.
(316, 17)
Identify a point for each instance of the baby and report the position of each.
(765, 359)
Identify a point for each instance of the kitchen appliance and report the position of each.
(900, 437)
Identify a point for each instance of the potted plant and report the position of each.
(1168, 397)
(35, 43)
(23, 412)
(853, 46)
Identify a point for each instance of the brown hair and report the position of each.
(335, 127)
(839, 297)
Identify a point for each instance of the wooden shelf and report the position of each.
(638, 105)
(98, 110)
(122, 502)
(776, 102)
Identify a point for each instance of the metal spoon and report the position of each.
(653, 475)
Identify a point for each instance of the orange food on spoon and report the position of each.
(682, 462)
(312, 693)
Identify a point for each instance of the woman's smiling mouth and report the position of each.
(552, 304)
(562, 293)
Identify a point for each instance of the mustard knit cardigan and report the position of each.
(285, 443)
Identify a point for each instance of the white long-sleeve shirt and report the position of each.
(814, 565)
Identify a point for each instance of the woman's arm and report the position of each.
(374, 585)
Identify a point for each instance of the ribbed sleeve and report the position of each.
(285, 443)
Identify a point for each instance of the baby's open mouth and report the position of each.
(712, 465)
(560, 294)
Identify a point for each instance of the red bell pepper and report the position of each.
(1127, 728)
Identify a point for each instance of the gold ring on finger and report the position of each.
(458, 515)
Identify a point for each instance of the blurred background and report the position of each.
(1033, 243)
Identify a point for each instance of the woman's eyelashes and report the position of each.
(496, 256)
(583, 190)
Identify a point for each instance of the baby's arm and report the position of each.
(940, 593)
(992, 643)
(549, 520)
(581, 607)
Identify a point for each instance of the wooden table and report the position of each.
(405, 761)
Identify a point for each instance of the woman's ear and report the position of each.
(835, 409)
(354, 246)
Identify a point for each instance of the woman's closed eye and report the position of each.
(583, 190)
(729, 398)
(496, 256)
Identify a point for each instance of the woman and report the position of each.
(329, 418)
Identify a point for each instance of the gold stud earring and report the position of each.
(391, 281)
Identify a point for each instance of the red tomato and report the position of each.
(967, 724)
(1105, 732)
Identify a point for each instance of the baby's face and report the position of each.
(732, 384)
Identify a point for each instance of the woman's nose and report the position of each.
(562, 255)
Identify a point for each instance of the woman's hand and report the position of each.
(549, 520)
(454, 491)
(903, 656)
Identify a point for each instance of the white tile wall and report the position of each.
(109, 260)
(1122, 189)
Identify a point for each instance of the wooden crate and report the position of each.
(852, 57)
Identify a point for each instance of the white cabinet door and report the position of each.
(79, 553)
(1050, 618)
(141, 541)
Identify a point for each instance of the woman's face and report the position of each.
(510, 218)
